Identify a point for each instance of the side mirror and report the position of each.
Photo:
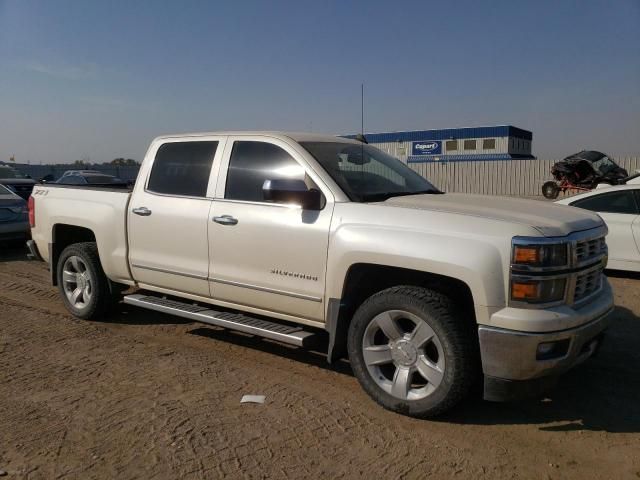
(288, 190)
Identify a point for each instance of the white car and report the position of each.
(619, 207)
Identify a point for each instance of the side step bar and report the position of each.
(234, 321)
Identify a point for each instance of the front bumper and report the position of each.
(513, 367)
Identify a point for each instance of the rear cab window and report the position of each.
(182, 168)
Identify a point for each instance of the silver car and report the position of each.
(14, 216)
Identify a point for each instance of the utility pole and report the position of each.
(362, 109)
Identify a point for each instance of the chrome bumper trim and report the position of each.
(511, 355)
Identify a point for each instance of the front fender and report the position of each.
(475, 260)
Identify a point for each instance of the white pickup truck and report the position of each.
(317, 240)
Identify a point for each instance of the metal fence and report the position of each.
(40, 171)
(489, 177)
(496, 177)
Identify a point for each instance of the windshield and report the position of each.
(365, 173)
(8, 172)
(604, 165)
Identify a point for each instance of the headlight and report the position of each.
(538, 291)
(540, 256)
(539, 272)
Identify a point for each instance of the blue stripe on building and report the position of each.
(448, 134)
(466, 158)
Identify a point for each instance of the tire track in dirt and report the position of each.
(296, 422)
(148, 396)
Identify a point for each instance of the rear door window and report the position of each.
(182, 168)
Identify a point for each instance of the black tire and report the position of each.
(457, 339)
(102, 298)
(550, 190)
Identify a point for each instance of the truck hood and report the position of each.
(551, 220)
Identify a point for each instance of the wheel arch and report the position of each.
(63, 235)
(365, 279)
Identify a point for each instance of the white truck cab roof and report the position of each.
(297, 136)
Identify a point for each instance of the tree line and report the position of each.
(116, 162)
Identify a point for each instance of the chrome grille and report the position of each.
(587, 283)
(590, 249)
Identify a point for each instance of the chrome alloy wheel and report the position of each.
(403, 355)
(77, 282)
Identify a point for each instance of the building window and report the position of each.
(469, 144)
(452, 145)
(489, 144)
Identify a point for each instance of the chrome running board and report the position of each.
(235, 321)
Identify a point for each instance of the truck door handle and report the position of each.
(142, 211)
(225, 220)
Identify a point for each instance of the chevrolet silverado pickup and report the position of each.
(325, 242)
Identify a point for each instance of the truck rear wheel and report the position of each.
(411, 352)
(83, 285)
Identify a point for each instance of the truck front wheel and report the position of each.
(412, 352)
(83, 285)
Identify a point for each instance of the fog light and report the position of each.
(550, 350)
(545, 349)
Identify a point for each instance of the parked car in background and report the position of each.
(14, 216)
(81, 172)
(91, 178)
(619, 207)
(16, 181)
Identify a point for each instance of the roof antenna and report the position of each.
(360, 137)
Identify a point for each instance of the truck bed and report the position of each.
(99, 209)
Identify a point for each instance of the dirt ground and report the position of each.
(148, 396)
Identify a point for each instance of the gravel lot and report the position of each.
(149, 396)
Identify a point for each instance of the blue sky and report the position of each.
(100, 79)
